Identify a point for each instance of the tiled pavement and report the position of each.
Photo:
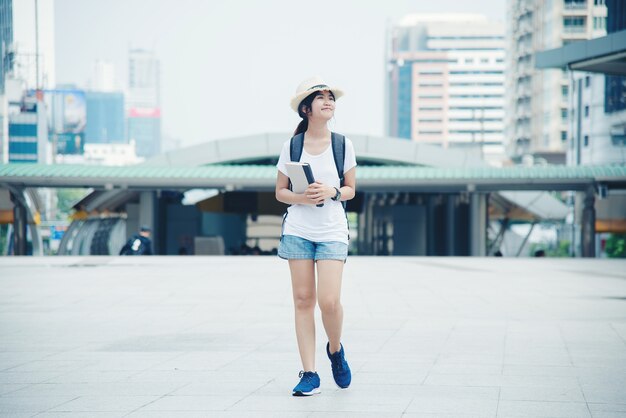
(213, 336)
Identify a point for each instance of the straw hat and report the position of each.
(311, 85)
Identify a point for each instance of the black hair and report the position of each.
(306, 104)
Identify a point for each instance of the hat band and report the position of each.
(322, 86)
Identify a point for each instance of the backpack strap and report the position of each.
(338, 142)
(296, 146)
(339, 153)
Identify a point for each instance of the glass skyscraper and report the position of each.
(144, 102)
(105, 118)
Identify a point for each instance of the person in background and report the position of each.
(138, 244)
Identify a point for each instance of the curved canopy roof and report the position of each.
(258, 177)
(267, 146)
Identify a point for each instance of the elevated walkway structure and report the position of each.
(413, 199)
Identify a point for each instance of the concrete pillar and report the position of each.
(450, 223)
(148, 217)
(588, 227)
(478, 224)
(20, 218)
(365, 226)
(431, 225)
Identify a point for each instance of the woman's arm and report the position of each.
(318, 192)
(349, 184)
(284, 195)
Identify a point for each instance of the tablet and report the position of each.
(300, 175)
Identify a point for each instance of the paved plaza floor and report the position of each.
(214, 336)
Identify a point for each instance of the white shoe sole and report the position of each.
(313, 392)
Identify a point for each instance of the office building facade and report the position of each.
(6, 65)
(445, 82)
(597, 108)
(538, 100)
(28, 132)
(144, 102)
(105, 118)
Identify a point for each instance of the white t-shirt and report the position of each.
(329, 222)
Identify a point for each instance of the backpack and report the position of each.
(338, 142)
(135, 246)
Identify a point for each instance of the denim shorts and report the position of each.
(292, 247)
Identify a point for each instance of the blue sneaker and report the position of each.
(341, 370)
(309, 384)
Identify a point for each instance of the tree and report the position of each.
(66, 198)
(616, 246)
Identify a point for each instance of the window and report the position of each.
(484, 60)
(599, 23)
(430, 96)
(574, 24)
(587, 81)
(476, 118)
(586, 140)
(429, 132)
(564, 91)
(475, 83)
(563, 136)
(474, 131)
(475, 72)
(586, 111)
(429, 120)
(465, 96)
(431, 108)
(618, 139)
(469, 60)
(599, 2)
(564, 114)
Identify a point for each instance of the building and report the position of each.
(105, 118)
(597, 122)
(67, 120)
(144, 127)
(26, 64)
(6, 40)
(33, 38)
(144, 102)
(6, 66)
(28, 132)
(445, 82)
(537, 101)
(111, 154)
(103, 77)
(597, 126)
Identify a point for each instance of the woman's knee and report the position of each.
(330, 305)
(304, 302)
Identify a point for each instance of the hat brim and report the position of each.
(298, 98)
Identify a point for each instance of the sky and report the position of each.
(229, 68)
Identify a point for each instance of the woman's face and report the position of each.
(323, 105)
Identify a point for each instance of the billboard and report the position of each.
(67, 118)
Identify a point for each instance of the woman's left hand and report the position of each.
(320, 192)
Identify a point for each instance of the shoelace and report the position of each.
(308, 376)
(336, 361)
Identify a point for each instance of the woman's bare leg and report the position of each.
(303, 286)
(329, 277)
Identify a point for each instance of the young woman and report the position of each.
(316, 238)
